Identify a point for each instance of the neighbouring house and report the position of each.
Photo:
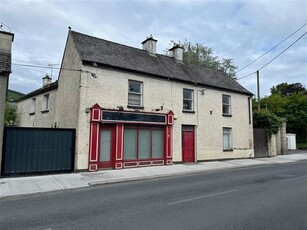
(6, 39)
(133, 107)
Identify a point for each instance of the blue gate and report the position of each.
(37, 151)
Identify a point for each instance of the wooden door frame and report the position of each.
(110, 164)
(192, 130)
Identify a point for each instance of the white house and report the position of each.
(133, 107)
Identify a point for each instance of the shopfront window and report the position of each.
(143, 143)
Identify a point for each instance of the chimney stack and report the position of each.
(46, 80)
(150, 45)
(176, 52)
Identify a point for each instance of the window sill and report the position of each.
(33, 113)
(45, 111)
(135, 107)
(188, 111)
(227, 150)
(227, 115)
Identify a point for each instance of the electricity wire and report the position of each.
(272, 48)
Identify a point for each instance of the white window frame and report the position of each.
(227, 131)
(188, 99)
(33, 105)
(226, 104)
(45, 105)
(136, 93)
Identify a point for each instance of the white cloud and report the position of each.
(242, 30)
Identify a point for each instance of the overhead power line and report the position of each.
(272, 48)
(269, 62)
(283, 51)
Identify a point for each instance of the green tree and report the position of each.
(266, 119)
(289, 101)
(10, 116)
(200, 54)
(284, 89)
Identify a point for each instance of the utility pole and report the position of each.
(258, 90)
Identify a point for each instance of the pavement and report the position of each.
(38, 184)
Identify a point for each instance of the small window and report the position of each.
(188, 99)
(227, 139)
(226, 105)
(135, 93)
(33, 105)
(45, 102)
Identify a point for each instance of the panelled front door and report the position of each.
(188, 144)
(107, 146)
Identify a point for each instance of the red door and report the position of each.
(188, 146)
(106, 148)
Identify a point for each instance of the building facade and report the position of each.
(133, 107)
(6, 40)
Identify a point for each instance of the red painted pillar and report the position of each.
(119, 141)
(169, 138)
(94, 138)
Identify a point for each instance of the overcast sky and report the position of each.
(241, 30)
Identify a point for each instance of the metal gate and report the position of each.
(260, 143)
(37, 150)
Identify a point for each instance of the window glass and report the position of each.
(33, 105)
(134, 87)
(130, 142)
(46, 102)
(144, 143)
(157, 143)
(105, 145)
(226, 105)
(134, 99)
(135, 93)
(227, 138)
(188, 99)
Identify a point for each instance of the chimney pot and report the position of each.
(150, 44)
(46, 80)
(176, 52)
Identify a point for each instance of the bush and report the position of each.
(267, 120)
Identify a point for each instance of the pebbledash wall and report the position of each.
(207, 119)
(80, 87)
(39, 115)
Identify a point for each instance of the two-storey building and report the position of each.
(133, 107)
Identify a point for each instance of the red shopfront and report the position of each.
(123, 139)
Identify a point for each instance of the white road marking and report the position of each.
(201, 197)
(295, 178)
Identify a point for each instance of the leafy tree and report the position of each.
(200, 54)
(266, 119)
(10, 116)
(289, 101)
(285, 89)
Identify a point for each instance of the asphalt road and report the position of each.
(266, 197)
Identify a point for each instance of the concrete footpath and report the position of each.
(46, 183)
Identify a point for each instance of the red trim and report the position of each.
(188, 146)
(108, 164)
(119, 142)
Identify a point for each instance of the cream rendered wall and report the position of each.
(68, 96)
(41, 118)
(110, 90)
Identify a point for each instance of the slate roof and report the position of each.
(47, 88)
(114, 55)
(5, 62)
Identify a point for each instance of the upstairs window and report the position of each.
(33, 106)
(45, 102)
(188, 100)
(226, 105)
(135, 92)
